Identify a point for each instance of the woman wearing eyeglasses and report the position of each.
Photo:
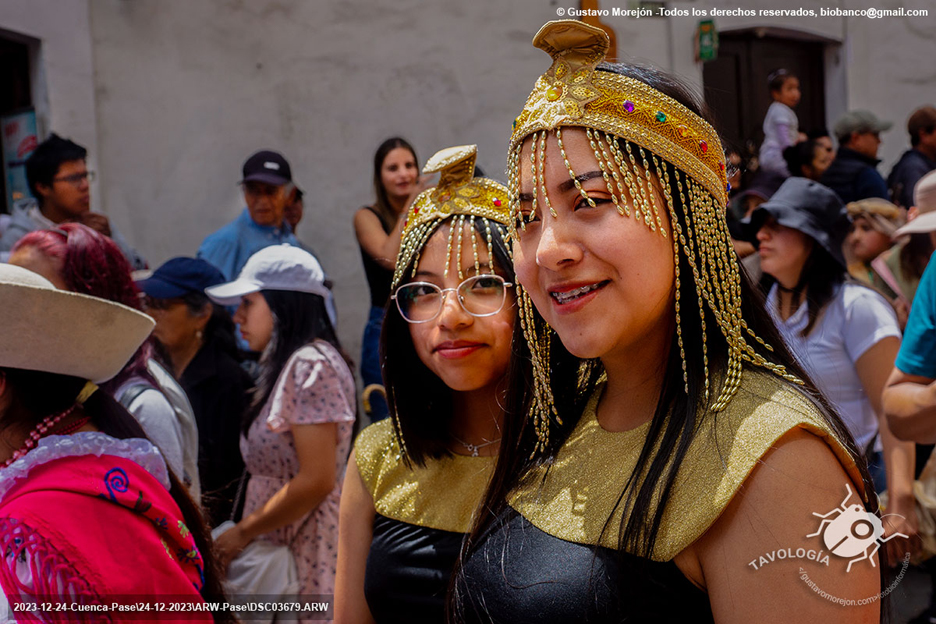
(415, 479)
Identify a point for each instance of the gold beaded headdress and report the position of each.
(458, 195)
(464, 199)
(618, 112)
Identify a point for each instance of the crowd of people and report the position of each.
(597, 392)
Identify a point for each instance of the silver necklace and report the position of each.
(474, 448)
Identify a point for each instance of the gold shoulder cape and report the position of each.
(442, 495)
(576, 497)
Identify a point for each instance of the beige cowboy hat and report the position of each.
(46, 329)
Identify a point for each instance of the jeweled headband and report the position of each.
(644, 141)
(459, 196)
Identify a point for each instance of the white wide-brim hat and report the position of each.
(278, 267)
(924, 198)
(46, 329)
(922, 224)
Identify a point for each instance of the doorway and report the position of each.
(736, 88)
(15, 97)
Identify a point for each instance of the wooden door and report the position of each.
(736, 84)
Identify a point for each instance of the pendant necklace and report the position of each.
(474, 448)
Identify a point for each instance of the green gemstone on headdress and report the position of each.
(661, 116)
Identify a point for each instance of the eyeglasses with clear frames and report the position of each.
(479, 295)
(76, 178)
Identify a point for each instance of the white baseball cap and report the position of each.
(279, 267)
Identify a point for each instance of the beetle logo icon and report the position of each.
(851, 532)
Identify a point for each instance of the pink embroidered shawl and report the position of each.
(91, 525)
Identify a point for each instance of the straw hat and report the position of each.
(46, 329)
(882, 214)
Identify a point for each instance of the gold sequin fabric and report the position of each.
(442, 495)
(575, 498)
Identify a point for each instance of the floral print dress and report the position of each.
(315, 387)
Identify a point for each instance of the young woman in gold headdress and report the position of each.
(669, 458)
(416, 478)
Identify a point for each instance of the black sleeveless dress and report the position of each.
(552, 556)
(422, 517)
(378, 277)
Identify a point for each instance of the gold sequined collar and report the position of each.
(575, 498)
(442, 495)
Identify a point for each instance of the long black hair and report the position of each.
(36, 395)
(382, 201)
(299, 318)
(220, 328)
(418, 400)
(677, 415)
(820, 278)
(915, 255)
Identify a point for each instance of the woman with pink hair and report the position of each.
(76, 258)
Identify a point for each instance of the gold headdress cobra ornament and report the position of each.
(459, 196)
(464, 199)
(640, 138)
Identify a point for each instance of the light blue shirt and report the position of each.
(230, 247)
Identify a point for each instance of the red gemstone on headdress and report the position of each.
(704, 146)
(405, 223)
(722, 166)
(629, 106)
(497, 202)
(416, 210)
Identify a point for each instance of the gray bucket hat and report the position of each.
(807, 206)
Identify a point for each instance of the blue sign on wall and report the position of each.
(19, 140)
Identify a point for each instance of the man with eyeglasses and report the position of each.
(268, 189)
(59, 180)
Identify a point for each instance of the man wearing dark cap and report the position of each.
(268, 189)
(917, 161)
(853, 174)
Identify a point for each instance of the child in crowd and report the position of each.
(781, 127)
(874, 222)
